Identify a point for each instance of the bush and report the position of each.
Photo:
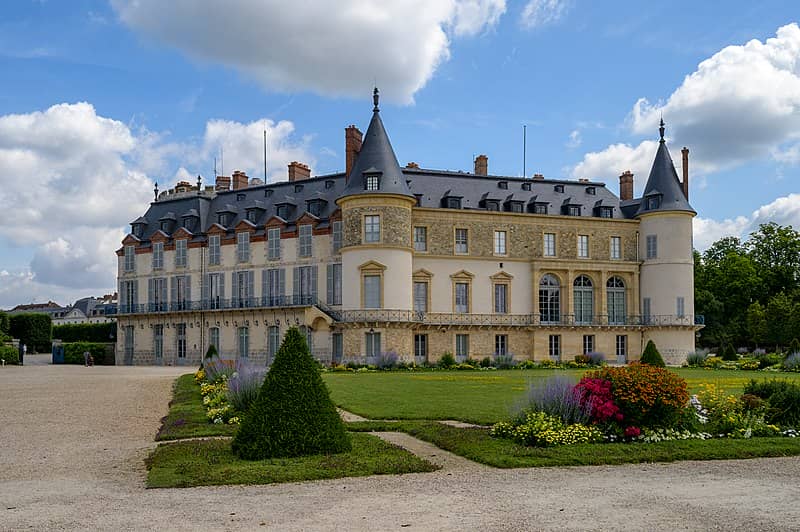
(73, 352)
(86, 332)
(217, 369)
(504, 361)
(5, 323)
(647, 396)
(732, 417)
(446, 361)
(386, 360)
(244, 385)
(486, 362)
(557, 396)
(794, 346)
(695, 359)
(33, 330)
(293, 414)
(767, 360)
(596, 358)
(792, 362)
(783, 398)
(540, 429)
(651, 356)
(9, 354)
(211, 352)
(728, 353)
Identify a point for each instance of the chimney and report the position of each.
(412, 165)
(240, 180)
(298, 171)
(538, 177)
(626, 185)
(685, 168)
(352, 145)
(223, 182)
(481, 165)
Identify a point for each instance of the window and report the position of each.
(653, 202)
(298, 188)
(329, 184)
(514, 206)
(243, 335)
(499, 242)
(622, 348)
(213, 338)
(573, 210)
(583, 299)
(502, 184)
(283, 210)
(616, 248)
(273, 340)
(492, 205)
(180, 253)
(337, 236)
(243, 246)
(526, 186)
(462, 245)
(373, 341)
(213, 249)
(372, 182)
(372, 291)
(305, 283)
(158, 341)
(222, 219)
(646, 310)
(372, 228)
(158, 255)
(680, 307)
(554, 346)
(420, 296)
(583, 246)
(559, 188)
(453, 203)
(462, 297)
(129, 296)
(252, 215)
(421, 347)
(180, 334)
(337, 347)
(421, 239)
(501, 298)
(273, 283)
(606, 212)
(591, 191)
(549, 244)
(157, 294)
(652, 247)
(588, 344)
(274, 243)
(215, 291)
(180, 292)
(334, 284)
(130, 258)
(540, 208)
(500, 345)
(315, 207)
(615, 294)
(243, 289)
(549, 299)
(241, 197)
(304, 241)
(462, 346)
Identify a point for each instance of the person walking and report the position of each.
(86, 356)
(22, 350)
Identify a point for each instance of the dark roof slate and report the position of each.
(663, 181)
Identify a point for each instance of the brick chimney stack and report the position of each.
(481, 165)
(240, 180)
(352, 145)
(298, 171)
(626, 185)
(538, 177)
(412, 165)
(223, 182)
(685, 168)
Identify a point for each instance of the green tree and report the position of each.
(651, 356)
(775, 249)
(756, 323)
(293, 414)
(779, 314)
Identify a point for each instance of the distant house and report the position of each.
(85, 310)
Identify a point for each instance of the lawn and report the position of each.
(187, 415)
(211, 462)
(477, 396)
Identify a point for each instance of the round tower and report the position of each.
(376, 245)
(667, 268)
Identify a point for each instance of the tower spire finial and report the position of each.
(375, 98)
(661, 129)
(155, 191)
(199, 180)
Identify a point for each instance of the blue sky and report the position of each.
(100, 99)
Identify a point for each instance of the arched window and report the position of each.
(615, 290)
(583, 299)
(549, 299)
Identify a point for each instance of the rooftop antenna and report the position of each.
(215, 168)
(221, 160)
(524, 150)
(265, 152)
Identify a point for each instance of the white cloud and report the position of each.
(331, 48)
(538, 13)
(575, 139)
(741, 104)
(607, 165)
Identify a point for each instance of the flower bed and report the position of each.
(228, 389)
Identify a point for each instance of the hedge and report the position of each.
(9, 354)
(5, 323)
(73, 353)
(33, 330)
(86, 332)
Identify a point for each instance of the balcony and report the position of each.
(218, 304)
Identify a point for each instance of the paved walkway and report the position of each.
(73, 440)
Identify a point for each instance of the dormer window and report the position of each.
(492, 205)
(513, 206)
(137, 230)
(573, 210)
(653, 202)
(315, 207)
(222, 219)
(165, 226)
(540, 208)
(591, 191)
(283, 211)
(526, 186)
(372, 182)
(453, 203)
(606, 212)
(502, 184)
(252, 215)
(559, 188)
(268, 192)
(298, 188)
(329, 184)
(241, 197)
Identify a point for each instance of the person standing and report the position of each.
(86, 356)
(22, 350)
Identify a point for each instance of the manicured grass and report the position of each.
(187, 415)
(211, 462)
(482, 397)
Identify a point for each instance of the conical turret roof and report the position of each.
(663, 191)
(376, 158)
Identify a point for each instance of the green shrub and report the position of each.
(293, 415)
(486, 362)
(73, 352)
(446, 361)
(86, 332)
(9, 354)
(728, 353)
(651, 356)
(33, 330)
(5, 323)
(767, 360)
(794, 346)
(695, 358)
(211, 352)
(783, 398)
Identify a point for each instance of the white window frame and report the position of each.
(549, 245)
(372, 228)
(372, 291)
(500, 298)
(461, 297)
(243, 246)
(372, 183)
(214, 255)
(651, 246)
(180, 340)
(583, 246)
(500, 345)
(274, 243)
(243, 342)
(305, 244)
(616, 248)
(130, 259)
(462, 346)
(373, 343)
(420, 238)
(158, 255)
(588, 343)
(500, 243)
(554, 346)
(420, 295)
(461, 241)
(181, 246)
(337, 235)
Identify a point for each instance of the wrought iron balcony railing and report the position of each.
(218, 304)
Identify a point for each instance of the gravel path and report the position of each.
(72, 441)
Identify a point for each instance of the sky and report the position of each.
(102, 99)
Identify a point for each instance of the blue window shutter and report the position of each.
(221, 285)
(314, 282)
(187, 291)
(234, 287)
(122, 293)
(281, 283)
(151, 291)
(204, 287)
(296, 282)
(265, 295)
(135, 292)
(173, 292)
(329, 284)
(251, 283)
(163, 290)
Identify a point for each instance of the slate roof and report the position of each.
(663, 184)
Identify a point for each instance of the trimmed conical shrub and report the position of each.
(212, 351)
(651, 356)
(728, 352)
(293, 414)
(794, 346)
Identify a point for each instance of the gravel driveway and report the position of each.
(72, 441)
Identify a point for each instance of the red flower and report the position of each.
(632, 432)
